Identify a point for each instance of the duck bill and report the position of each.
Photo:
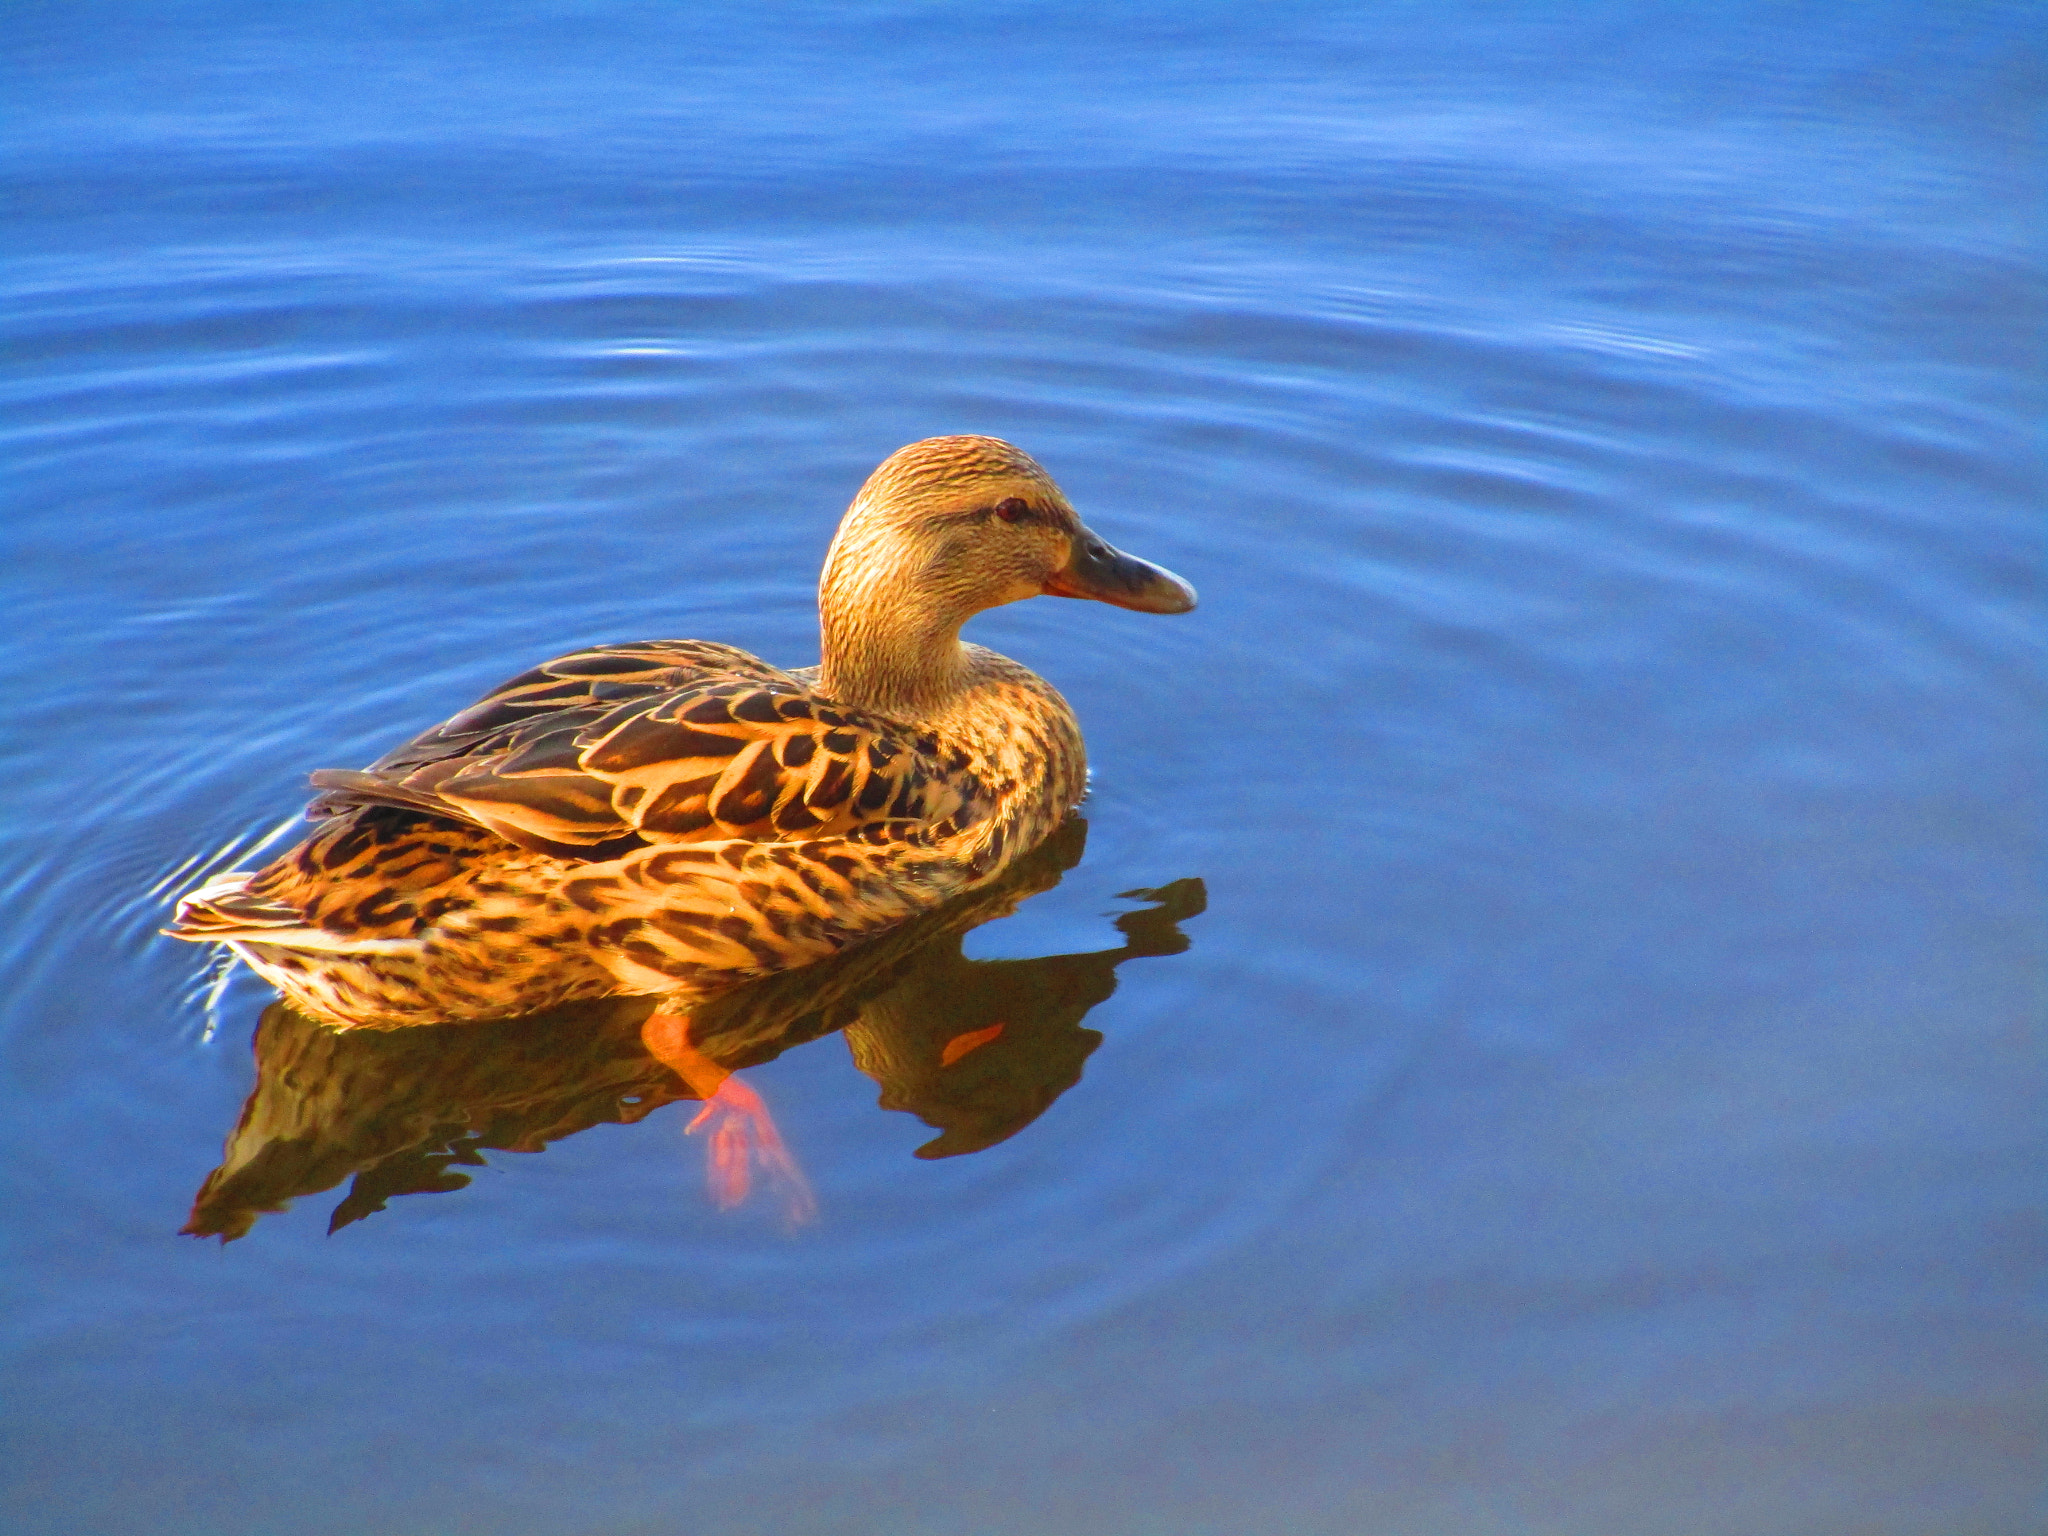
(1108, 575)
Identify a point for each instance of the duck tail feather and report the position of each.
(225, 908)
(226, 911)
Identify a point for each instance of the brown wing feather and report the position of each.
(764, 763)
(600, 752)
(524, 720)
(595, 681)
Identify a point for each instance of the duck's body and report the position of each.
(738, 823)
(674, 816)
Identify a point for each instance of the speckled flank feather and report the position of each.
(667, 816)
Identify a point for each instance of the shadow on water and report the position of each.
(977, 1049)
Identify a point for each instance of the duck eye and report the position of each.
(1013, 510)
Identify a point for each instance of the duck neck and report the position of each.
(878, 652)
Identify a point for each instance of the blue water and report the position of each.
(1602, 1092)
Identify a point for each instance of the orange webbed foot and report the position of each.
(741, 1134)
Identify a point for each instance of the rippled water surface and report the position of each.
(1573, 1062)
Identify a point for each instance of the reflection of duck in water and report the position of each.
(977, 1048)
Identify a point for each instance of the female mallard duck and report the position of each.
(670, 817)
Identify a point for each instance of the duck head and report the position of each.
(942, 530)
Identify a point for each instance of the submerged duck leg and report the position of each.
(741, 1131)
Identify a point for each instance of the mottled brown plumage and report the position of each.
(674, 816)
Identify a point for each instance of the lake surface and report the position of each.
(1578, 1069)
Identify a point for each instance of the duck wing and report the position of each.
(595, 681)
(604, 751)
